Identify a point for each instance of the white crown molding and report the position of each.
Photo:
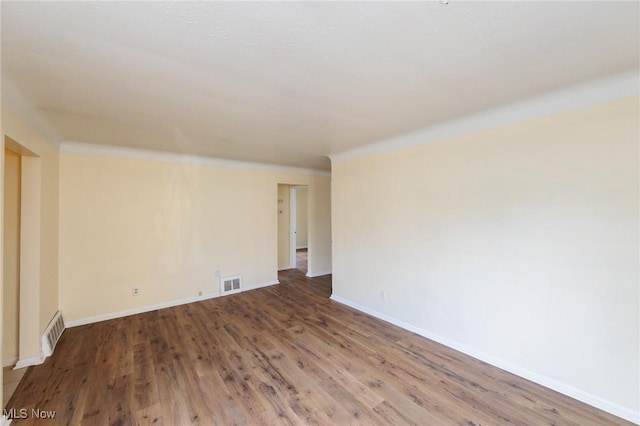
(596, 91)
(83, 148)
(563, 388)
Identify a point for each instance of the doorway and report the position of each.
(292, 227)
(11, 257)
(22, 255)
(299, 233)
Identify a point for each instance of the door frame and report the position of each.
(293, 244)
(29, 339)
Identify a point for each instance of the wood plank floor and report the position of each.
(284, 354)
(10, 380)
(302, 260)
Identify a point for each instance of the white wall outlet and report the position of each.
(383, 296)
(135, 291)
(217, 273)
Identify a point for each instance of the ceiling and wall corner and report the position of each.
(270, 85)
(291, 83)
(594, 92)
(177, 158)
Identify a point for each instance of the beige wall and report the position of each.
(11, 257)
(46, 301)
(319, 230)
(166, 228)
(518, 243)
(284, 229)
(301, 218)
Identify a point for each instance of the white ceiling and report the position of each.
(291, 82)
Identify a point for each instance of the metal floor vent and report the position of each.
(52, 334)
(230, 285)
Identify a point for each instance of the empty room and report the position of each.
(322, 213)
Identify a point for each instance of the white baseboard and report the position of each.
(563, 388)
(265, 284)
(140, 310)
(28, 362)
(9, 361)
(286, 268)
(318, 274)
(4, 421)
(149, 308)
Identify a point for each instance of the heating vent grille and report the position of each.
(229, 285)
(52, 334)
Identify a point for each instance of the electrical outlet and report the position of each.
(383, 296)
(217, 273)
(135, 291)
(200, 293)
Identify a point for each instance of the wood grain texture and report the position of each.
(283, 355)
(302, 260)
(10, 380)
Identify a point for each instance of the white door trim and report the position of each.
(292, 227)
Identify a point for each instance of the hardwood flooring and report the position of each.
(302, 260)
(284, 354)
(10, 380)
